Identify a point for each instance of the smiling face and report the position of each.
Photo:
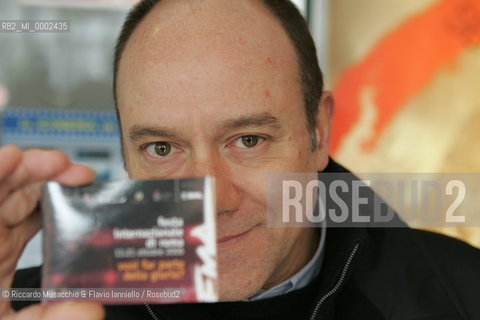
(211, 88)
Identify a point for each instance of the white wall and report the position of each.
(319, 26)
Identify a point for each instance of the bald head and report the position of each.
(259, 16)
(177, 37)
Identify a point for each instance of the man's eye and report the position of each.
(249, 141)
(159, 149)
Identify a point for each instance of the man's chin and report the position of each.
(235, 294)
(239, 284)
(245, 267)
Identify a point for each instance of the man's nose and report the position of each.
(227, 192)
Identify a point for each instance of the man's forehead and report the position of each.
(182, 13)
(181, 53)
(238, 29)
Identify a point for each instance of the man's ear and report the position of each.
(326, 111)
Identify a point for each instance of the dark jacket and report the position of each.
(367, 273)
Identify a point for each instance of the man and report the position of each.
(232, 89)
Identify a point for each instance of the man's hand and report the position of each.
(21, 177)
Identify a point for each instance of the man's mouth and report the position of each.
(231, 240)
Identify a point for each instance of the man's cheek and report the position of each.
(250, 253)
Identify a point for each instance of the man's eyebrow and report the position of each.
(137, 133)
(256, 120)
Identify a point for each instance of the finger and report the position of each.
(26, 230)
(43, 165)
(10, 158)
(34, 165)
(19, 205)
(61, 311)
(38, 165)
(75, 175)
(13, 243)
(31, 226)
